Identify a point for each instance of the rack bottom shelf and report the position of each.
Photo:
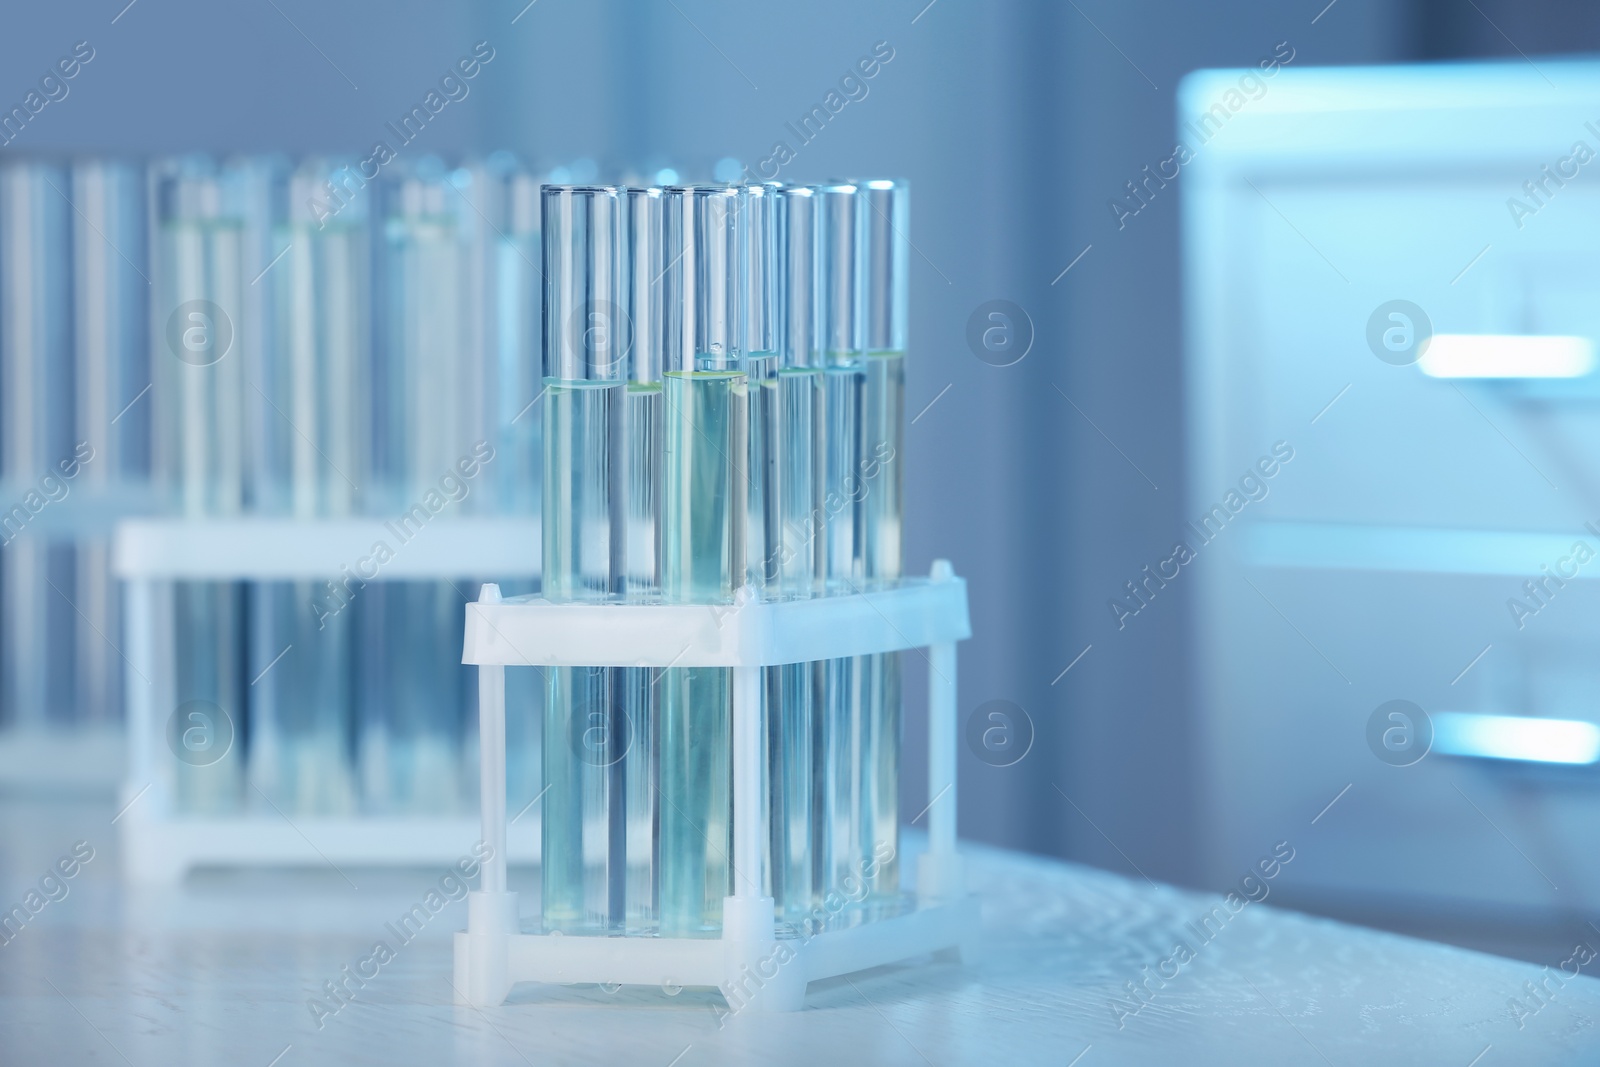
(161, 849)
(770, 976)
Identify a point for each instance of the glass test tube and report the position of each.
(704, 520)
(499, 219)
(254, 192)
(646, 267)
(35, 436)
(794, 491)
(411, 736)
(757, 226)
(502, 232)
(303, 707)
(584, 549)
(198, 370)
(111, 297)
(884, 215)
(499, 223)
(840, 735)
(803, 556)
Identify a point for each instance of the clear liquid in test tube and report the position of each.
(197, 327)
(704, 521)
(584, 856)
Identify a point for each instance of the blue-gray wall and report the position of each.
(1016, 123)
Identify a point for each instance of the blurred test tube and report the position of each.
(199, 373)
(112, 292)
(498, 214)
(313, 388)
(431, 420)
(35, 435)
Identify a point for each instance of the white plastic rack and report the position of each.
(159, 843)
(747, 963)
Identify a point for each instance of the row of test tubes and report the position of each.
(399, 341)
(72, 357)
(261, 336)
(724, 412)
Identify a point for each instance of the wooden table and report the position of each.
(221, 971)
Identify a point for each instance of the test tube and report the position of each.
(646, 269)
(802, 557)
(303, 706)
(111, 295)
(255, 188)
(645, 315)
(583, 855)
(839, 736)
(35, 436)
(198, 407)
(254, 193)
(884, 222)
(704, 519)
(795, 490)
(521, 416)
(759, 276)
(761, 314)
(498, 216)
(500, 225)
(411, 733)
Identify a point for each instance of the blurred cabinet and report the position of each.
(1383, 560)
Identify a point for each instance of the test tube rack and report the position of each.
(159, 844)
(748, 963)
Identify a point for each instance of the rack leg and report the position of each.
(747, 916)
(492, 771)
(748, 829)
(481, 964)
(138, 614)
(939, 873)
(148, 856)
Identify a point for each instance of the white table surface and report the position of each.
(219, 972)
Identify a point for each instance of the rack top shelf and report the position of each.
(275, 548)
(528, 631)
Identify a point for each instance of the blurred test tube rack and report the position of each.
(238, 376)
(160, 841)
